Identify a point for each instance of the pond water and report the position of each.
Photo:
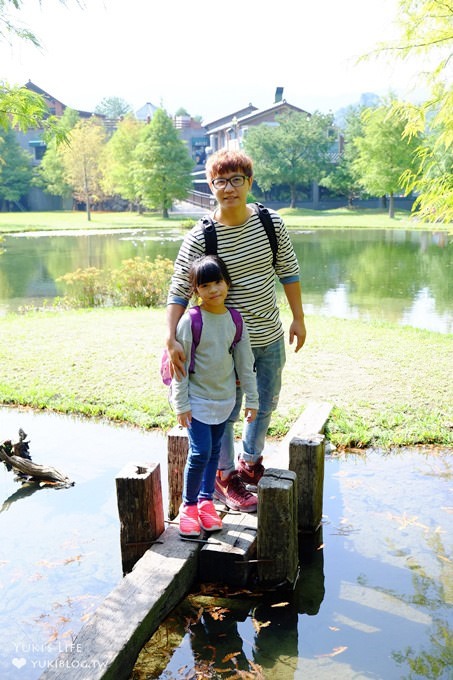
(386, 275)
(372, 600)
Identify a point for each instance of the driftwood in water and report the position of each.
(16, 457)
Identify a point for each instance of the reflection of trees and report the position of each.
(436, 660)
(373, 265)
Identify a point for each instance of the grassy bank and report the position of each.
(294, 218)
(390, 385)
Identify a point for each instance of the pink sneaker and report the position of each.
(188, 521)
(233, 493)
(208, 517)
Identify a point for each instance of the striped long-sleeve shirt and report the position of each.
(247, 254)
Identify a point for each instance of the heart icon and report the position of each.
(19, 662)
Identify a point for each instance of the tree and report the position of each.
(118, 160)
(20, 107)
(15, 169)
(295, 152)
(162, 164)
(113, 107)
(81, 160)
(51, 171)
(427, 31)
(383, 154)
(9, 28)
(343, 178)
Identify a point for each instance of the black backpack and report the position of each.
(210, 235)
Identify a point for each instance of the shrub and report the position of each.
(141, 282)
(88, 287)
(138, 282)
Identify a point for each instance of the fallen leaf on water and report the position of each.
(334, 652)
(258, 625)
(218, 613)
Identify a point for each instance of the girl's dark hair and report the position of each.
(206, 269)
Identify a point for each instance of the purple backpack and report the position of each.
(196, 321)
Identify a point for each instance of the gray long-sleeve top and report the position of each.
(210, 392)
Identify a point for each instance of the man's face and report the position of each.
(231, 188)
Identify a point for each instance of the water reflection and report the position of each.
(373, 599)
(59, 548)
(384, 275)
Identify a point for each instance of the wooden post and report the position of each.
(178, 447)
(277, 547)
(306, 459)
(140, 508)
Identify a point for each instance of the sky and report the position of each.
(207, 56)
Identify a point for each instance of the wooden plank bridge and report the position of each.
(161, 567)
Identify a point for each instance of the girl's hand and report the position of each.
(184, 419)
(250, 414)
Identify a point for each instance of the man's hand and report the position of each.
(184, 419)
(177, 358)
(297, 330)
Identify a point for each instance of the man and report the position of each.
(244, 246)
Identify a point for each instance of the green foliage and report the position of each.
(113, 107)
(82, 161)
(118, 160)
(15, 168)
(295, 152)
(138, 282)
(162, 164)
(87, 287)
(9, 27)
(383, 153)
(188, 223)
(21, 108)
(427, 31)
(51, 171)
(343, 178)
(141, 282)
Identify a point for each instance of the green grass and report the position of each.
(294, 218)
(351, 218)
(69, 220)
(389, 385)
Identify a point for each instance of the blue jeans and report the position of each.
(269, 363)
(202, 460)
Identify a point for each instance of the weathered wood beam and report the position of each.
(109, 643)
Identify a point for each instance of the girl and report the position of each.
(203, 399)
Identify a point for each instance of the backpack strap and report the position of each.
(268, 224)
(210, 235)
(238, 321)
(196, 322)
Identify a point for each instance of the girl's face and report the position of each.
(213, 295)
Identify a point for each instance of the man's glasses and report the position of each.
(235, 181)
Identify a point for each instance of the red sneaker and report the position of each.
(250, 473)
(233, 493)
(208, 517)
(188, 521)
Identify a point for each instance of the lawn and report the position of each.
(388, 384)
